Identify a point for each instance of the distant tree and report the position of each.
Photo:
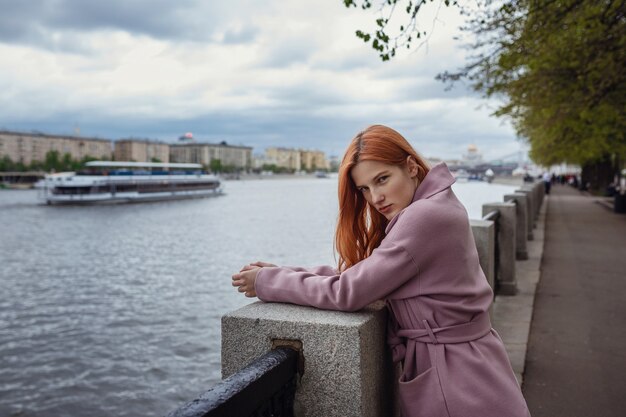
(6, 164)
(269, 167)
(229, 168)
(153, 159)
(216, 165)
(67, 162)
(77, 165)
(36, 166)
(52, 161)
(276, 169)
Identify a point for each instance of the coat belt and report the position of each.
(459, 333)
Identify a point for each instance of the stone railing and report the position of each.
(346, 368)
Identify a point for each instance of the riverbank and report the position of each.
(504, 180)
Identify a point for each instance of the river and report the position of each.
(115, 310)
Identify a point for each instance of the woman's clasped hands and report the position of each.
(244, 280)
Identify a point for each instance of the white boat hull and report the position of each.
(133, 197)
(89, 189)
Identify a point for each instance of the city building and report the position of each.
(238, 157)
(29, 147)
(472, 157)
(334, 162)
(313, 160)
(284, 158)
(141, 150)
(296, 159)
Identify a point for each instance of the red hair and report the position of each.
(360, 227)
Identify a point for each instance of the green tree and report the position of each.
(52, 161)
(67, 163)
(559, 67)
(6, 164)
(216, 165)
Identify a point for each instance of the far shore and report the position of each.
(504, 180)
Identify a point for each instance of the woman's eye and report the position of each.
(382, 179)
(362, 189)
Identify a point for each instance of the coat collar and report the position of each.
(438, 179)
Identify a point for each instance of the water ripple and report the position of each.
(115, 310)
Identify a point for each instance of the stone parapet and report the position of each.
(347, 366)
(521, 224)
(530, 208)
(484, 232)
(505, 267)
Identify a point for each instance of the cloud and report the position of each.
(240, 35)
(35, 22)
(268, 73)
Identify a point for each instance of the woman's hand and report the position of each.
(245, 279)
(260, 264)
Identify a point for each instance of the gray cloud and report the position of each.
(34, 22)
(413, 89)
(238, 36)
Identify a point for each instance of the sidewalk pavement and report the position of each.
(576, 356)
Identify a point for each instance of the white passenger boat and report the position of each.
(125, 182)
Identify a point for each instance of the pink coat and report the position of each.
(426, 268)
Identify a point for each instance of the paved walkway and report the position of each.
(576, 358)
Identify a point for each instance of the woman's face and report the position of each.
(387, 188)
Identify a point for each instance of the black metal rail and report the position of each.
(266, 387)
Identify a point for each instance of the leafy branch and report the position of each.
(385, 40)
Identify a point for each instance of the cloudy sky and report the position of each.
(254, 72)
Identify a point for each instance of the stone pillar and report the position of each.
(529, 209)
(347, 366)
(538, 190)
(484, 237)
(505, 268)
(521, 227)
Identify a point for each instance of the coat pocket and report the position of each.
(422, 396)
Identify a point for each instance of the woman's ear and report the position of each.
(412, 166)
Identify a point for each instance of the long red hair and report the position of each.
(360, 227)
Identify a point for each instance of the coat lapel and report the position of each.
(438, 179)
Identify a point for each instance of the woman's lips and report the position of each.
(385, 208)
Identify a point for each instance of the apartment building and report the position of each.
(284, 158)
(297, 159)
(140, 150)
(313, 160)
(239, 157)
(29, 147)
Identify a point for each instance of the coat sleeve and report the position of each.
(317, 270)
(389, 266)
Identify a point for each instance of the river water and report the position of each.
(115, 310)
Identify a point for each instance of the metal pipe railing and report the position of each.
(266, 387)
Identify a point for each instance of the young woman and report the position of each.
(403, 236)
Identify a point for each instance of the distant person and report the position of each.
(547, 182)
(404, 237)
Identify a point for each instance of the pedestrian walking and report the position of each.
(403, 236)
(547, 182)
